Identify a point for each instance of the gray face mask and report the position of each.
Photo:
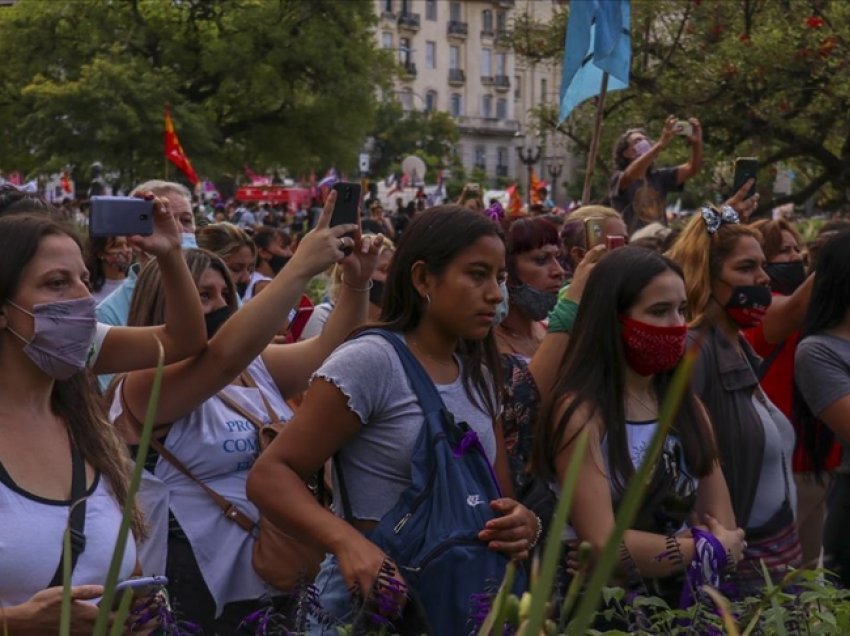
(502, 307)
(532, 302)
(62, 336)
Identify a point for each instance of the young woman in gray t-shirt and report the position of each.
(441, 296)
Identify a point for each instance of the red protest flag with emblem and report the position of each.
(174, 151)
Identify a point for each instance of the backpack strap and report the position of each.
(77, 517)
(421, 383)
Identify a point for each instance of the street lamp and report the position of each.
(528, 157)
(554, 170)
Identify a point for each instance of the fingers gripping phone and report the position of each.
(745, 168)
(120, 216)
(347, 203)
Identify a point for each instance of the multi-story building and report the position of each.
(456, 58)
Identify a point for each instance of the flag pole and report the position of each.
(594, 143)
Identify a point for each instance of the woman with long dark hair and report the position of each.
(822, 373)
(52, 425)
(442, 292)
(628, 337)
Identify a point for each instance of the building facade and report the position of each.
(457, 59)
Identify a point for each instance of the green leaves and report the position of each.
(248, 81)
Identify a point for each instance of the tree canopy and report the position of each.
(264, 82)
(766, 78)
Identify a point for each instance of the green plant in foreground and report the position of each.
(106, 603)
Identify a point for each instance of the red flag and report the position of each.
(174, 151)
(65, 180)
(514, 201)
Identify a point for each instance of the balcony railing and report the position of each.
(502, 82)
(456, 76)
(409, 70)
(487, 80)
(502, 38)
(409, 21)
(489, 126)
(388, 15)
(506, 4)
(488, 33)
(458, 29)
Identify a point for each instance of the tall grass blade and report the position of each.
(106, 602)
(495, 621)
(633, 495)
(65, 611)
(118, 626)
(723, 606)
(541, 591)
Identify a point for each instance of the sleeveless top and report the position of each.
(256, 277)
(31, 535)
(218, 446)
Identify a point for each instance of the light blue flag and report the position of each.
(597, 41)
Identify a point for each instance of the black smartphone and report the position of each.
(745, 168)
(347, 203)
(120, 216)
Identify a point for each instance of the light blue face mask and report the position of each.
(502, 307)
(188, 241)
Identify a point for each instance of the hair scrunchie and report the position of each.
(714, 219)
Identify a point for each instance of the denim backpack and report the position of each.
(432, 531)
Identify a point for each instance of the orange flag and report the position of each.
(514, 201)
(174, 151)
(535, 186)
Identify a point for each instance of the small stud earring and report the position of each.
(427, 298)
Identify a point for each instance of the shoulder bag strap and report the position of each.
(77, 516)
(228, 508)
(249, 381)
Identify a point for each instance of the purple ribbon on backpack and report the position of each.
(469, 440)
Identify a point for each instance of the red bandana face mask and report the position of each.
(650, 349)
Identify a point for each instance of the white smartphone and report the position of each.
(142, 586)
(684, 128)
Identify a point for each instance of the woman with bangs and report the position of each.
(728, 290)
(233, 245)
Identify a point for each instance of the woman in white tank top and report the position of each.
(209, 556)
(51, 423)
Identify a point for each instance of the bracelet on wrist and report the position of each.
(538, 534)
(357, 289)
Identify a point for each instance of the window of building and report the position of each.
(454, 57)
(404, 51)
(487, 20)
(406, 99)
(387, 40)
(501, 21)
(486, 66)
(487, 106)
(454, 12)
(501, 64)
(544, 91)
(404, 7)
(431, 101)
(388, 6)
(430, 9)
(456, 105)
(502, 156)
(501, 108)
(480, 157)
(517, 88)
(430, 55)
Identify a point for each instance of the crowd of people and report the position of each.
(518, 334)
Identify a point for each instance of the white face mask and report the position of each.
(188, 241)
(502, 307)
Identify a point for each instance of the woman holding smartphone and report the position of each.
(202, 417)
